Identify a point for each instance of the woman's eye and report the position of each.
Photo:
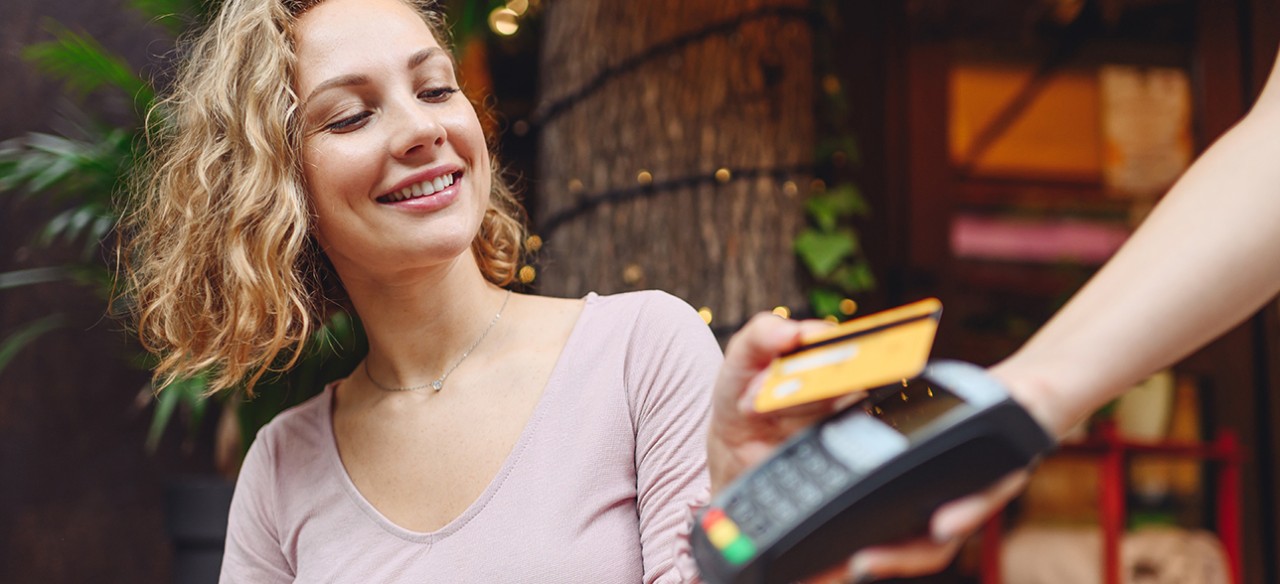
(348, 124)
(438, 94)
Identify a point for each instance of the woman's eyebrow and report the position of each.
(339, 81)
(417, 58)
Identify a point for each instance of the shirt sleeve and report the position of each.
(253, 553)
(671, 366)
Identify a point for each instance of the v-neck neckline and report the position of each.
(550, 390)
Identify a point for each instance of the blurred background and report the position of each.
(817, 158)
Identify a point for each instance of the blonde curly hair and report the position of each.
(221, 269)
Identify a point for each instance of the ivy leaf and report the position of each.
(825, 302)
(844, 201)
(822, 212)
(854, 278)
(822, 252)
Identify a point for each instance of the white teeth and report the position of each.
(422, 189)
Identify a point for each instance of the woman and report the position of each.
(317, 153)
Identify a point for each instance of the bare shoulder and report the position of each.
(545, 317)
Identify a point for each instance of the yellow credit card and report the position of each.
(861, 354)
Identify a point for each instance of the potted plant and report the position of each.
(84, 170)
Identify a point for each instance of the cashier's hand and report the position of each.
(740, 438)
(951, 525)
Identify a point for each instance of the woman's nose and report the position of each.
(417, 131)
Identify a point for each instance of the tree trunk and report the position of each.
(643, 101)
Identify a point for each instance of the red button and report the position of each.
(712, 515)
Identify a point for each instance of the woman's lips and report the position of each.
(423, 189)
(426, 203)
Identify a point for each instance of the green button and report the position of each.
(740, 551)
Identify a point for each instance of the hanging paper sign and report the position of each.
(1146, 125)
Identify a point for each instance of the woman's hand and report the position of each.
(740, 438)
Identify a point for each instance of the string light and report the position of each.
(848, 306)
(790, 188)
(644, 177)
(831, 318)
(504, 21)
(585, 203)
(527, 274)
(549, 110)
(705, 313)
(817, 185)
(533, 243)
(518, 6)
(782, 311)
(831, 84)
(632, 274)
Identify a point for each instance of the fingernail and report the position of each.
(859, 573)
(943, 533)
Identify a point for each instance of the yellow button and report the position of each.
(723, 533)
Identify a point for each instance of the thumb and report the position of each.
(749, 353)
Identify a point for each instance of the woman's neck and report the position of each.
(421, 325)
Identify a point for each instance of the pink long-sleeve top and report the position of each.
(597, 488)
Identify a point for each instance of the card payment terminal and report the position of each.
(871, 474)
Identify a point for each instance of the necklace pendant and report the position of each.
(437, 385)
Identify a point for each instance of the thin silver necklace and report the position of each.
(438, 384)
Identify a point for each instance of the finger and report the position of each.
(963, 516)
(836, 575)
(749, 353)
(762, 340)
(810, 327)
(915, 557)
(810, 412)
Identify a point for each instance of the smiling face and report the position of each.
(394, 157)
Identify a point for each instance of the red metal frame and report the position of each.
(1114, 452)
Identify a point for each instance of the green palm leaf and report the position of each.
(84, 65)
(175, 16)
(29, 332)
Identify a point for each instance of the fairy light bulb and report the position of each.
(504, 21)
